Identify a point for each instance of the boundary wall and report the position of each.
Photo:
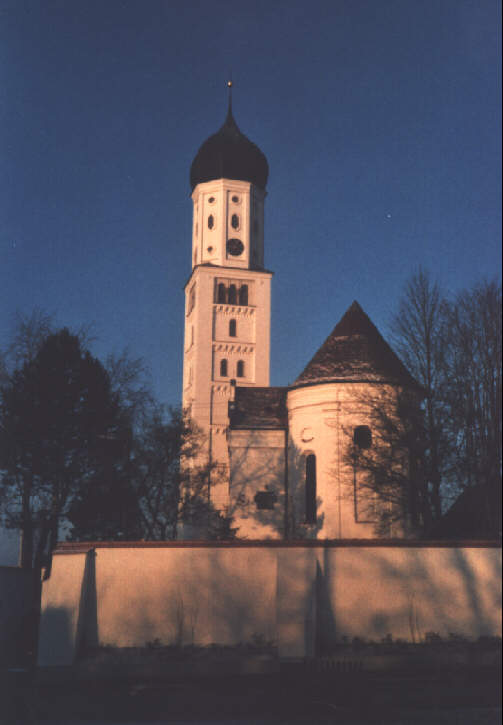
(303, 597)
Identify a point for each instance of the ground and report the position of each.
(295, 695)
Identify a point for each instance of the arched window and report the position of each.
(232, 328)
(223, 368)
(233, 295)
(240, 370)
(243, 294)
(211, 221)
(221, 293)
(235, 221)
(362, 437)
(311, 489)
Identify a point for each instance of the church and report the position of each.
(280, 456)
(310, 567)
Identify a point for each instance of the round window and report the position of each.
(235, 199)
(211, 200)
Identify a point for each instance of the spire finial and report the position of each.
(229, 86)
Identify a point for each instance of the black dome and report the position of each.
(228, 154)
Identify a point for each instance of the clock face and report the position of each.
(235, 247)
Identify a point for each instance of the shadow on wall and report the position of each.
(260, 506)
(66, 631)
(411, 594)
(305, 600)
(87, 622)
(56, 643)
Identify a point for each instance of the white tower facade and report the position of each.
(227, 297)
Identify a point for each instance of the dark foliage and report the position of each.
(56, 412)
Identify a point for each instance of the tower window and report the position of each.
(223, 369)
(221, 293)
(233, 294)
(235, 199)
(235, 221)
(240, 370)
(211, 199)
(211, 221)
(362, 437)
(243, 294)
(311, 489)
(232, 328)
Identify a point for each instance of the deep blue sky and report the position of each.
(380, 120)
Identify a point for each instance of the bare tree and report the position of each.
(473, 371)
(172, 478)
(386, 459)
(453, 349)
(418, 334)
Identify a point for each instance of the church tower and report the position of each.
(227, 297)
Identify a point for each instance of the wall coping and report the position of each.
(77, 547)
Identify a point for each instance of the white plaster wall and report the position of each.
(205, 393)
(407, 591)
(296, 602)
(250, 210)
(189, 595)
(257, 463)
(321, 421)
(293, 595)
(245, 324)
(61, 601)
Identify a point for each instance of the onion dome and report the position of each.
(228, 154)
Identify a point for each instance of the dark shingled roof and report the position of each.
(258, 408)
(228, 154)
(355, 351)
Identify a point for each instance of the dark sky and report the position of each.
(380, 120)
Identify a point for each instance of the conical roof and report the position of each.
(355, 351)
(228, 154)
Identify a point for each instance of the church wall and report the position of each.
(303, 596)
(321, 422)
(207, 341)
(257, 463)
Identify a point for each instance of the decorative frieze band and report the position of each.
(226, 347)
(231, 310)
(218, 429)
(222, 389)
